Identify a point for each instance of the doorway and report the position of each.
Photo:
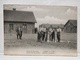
(24, 26)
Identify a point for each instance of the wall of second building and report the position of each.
(29, 29)
(69, 28)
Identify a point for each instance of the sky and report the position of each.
(48, 14)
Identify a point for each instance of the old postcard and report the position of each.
(40, 30)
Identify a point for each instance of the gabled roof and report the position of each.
(73, 22)
(53, 25)
(19, 16)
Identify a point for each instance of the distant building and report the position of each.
(14, 18)
(71, 26)
(55, 26)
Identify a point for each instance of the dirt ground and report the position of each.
(29, 45)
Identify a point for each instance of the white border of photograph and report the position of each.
(38, 2)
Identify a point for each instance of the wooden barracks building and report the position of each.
(55, 26)
(70, 26)
(14, 19)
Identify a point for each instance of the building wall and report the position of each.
(69, 28)
(29, 28)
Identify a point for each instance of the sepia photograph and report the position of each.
(40, 30)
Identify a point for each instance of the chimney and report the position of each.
(14, 9)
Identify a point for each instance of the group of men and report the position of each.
(48, 34)
(44, 34)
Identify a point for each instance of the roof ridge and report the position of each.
(18, 11)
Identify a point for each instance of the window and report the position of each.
(24, 25)
(11, 26)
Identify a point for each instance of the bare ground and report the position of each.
(29, 45)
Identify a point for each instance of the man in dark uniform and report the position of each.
(53, 35)
(46, 34)
(40, 34)
(50, 33)
(19, 32)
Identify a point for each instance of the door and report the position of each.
(24, 25)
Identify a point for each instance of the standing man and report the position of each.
(17, 31)
(50, 33)
(44, 33)
(20, 32)
(53, 35)
(58, 34)
(40, 34)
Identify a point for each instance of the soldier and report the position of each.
(50, 33)
(44, 33)
(40, 35)
(53, 35)
(19, 32)
(58, 34)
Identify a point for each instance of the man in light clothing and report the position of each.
(44, 33)
(40, 33)
(58, 34)
(50, 33)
